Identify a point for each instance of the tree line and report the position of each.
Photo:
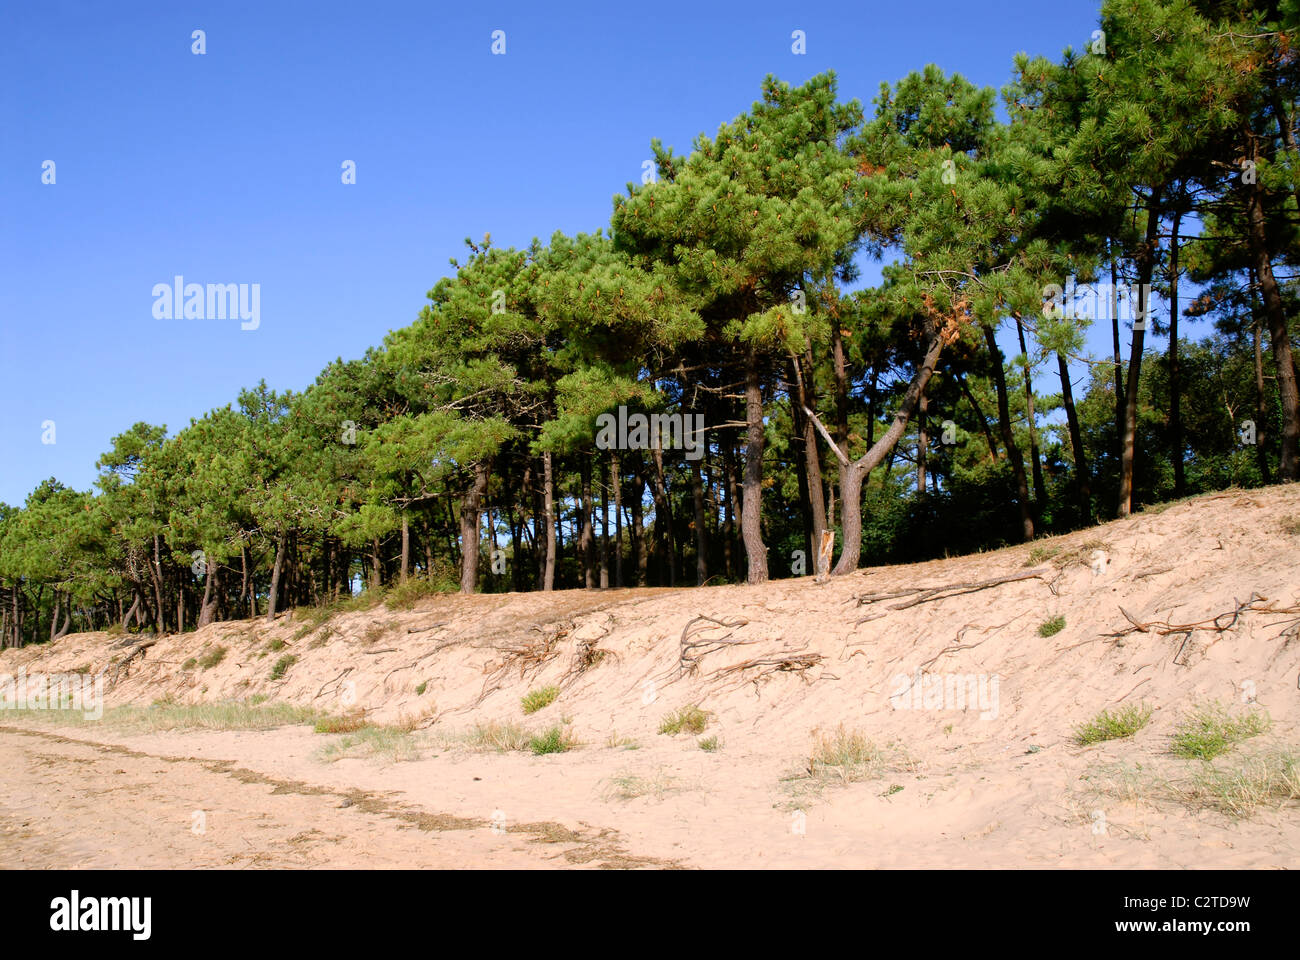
(1157, 165)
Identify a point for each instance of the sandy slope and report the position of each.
(999, 783)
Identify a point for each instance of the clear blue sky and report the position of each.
(225, 167)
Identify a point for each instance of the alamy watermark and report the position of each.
(655, 431)
(1098, 301)
(179, 300)
(53, 691)
(946, 691)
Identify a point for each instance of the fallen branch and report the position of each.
(432, 626)
(943, 592)
(687, 662)
(136, 651)
(1164, 628)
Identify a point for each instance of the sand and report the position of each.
(979, 767)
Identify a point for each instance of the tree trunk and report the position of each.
(853, 472)
(1119, 361)
(548, 507)
(1040, 488)
(208, 607)
(586, 538)
(922, 443)
(157, 583)
(470, 515)
(1081, 474)
(273, 594)
(1008, 437)
(406, 548)
(616, 478)
(1175, 388)
(1279, 336)
(1261, 396)
(1146, 260)
(701, 540)
(752, 505)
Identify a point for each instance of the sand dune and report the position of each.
(970, 712)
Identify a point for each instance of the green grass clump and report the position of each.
(689, 719)
(1115, 725)
(534, 700)
(276, 645)
(406, 595)
(1050, 628)
(1210, 731)
(212, 658)
(554, 740)
(282, 665)
(421, 687)
(709, 744)
(190, 664)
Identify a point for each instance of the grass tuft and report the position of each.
(554, 740)
(1050, 628)
(1115, 725)
(689, 719)
(535, 700)
(1210, 731)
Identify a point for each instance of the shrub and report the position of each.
(212, 658)
(689, 719)
(1050, 628)
(1115, 725)
(282, 665)
(1209, 731)
(535, 700)
(554, 740)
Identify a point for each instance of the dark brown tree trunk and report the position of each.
(603, 544)
(1146, 261)
(701, 540)
(1261, 395)
(1119, 362)
(1279, 335)
(1175, 377)
(922, 442)
(586, 539)
(1008, 437)
(1081, 473)
(1040, 487)
(616, 478)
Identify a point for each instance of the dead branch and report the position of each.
(432, 626)
(1217, 624)
(943, 592)
(335, 681)
(136, 651)
(689, 656)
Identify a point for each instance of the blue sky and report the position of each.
(225, 167)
